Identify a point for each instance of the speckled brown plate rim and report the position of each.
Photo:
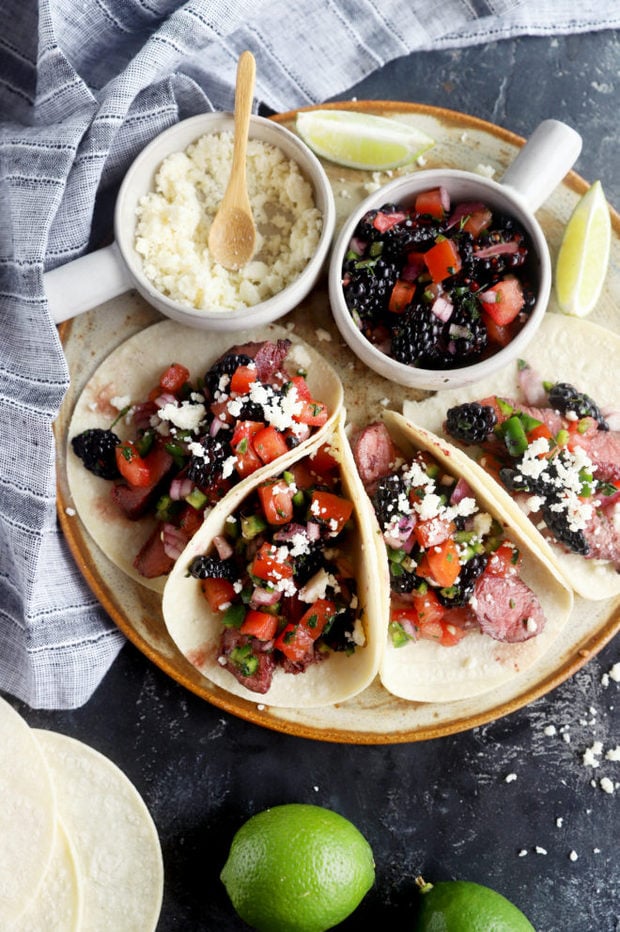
(89, 559)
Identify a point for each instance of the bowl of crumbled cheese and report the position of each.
(163, 215)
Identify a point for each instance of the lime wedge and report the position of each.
(360, 140)
(584, 254)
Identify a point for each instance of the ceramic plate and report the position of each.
(374, 717)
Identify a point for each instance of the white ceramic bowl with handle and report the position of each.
(537, 170)
(97, 277)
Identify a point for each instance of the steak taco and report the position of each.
(472, 604)
(173, 419)
(547, 431)
(279, 597)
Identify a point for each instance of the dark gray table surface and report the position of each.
(448, 808)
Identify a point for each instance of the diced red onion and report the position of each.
(408, 627)
(262, 596)
(460, 491)
(166, 398)
(174, 540)
(357, 245)
(223, 547)
(442, 308)
(445, 199)
(215, 426)
(142, 413)
(497, 249)
(313, 530)
(464, 209)
(289, 531)
(532, 387)
(413, 268)
(180, 488)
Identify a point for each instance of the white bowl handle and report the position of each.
(544, 160)
(84, 283)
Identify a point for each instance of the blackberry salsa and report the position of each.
(281, 576)
(436, 285)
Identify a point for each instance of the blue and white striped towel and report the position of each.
(84, 84)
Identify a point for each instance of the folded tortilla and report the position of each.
(566, 349)
(126, 377)
(196, 630)
(426, 671)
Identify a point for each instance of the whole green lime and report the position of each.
(463, 906)
(297, 868)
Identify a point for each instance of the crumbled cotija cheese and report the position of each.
(174, 221)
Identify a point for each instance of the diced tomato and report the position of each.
(324, 465)
(423, 569)
(332, 509)
(383, 221)
(451, 634)
(268, 567)
(132, 467)
(317, 617)
(505, 561)
(219, 593)
(541, 431)
(174, 378)
(433, 531)
(491, 465)
(248, 460)
(301, 387)
(276, 498)
(478, 221)
(242, 379)
(295, 642)
(497, 334)
(401, 296)
(503, 301)
(220, 410)
(444, 564)
(269, 444)
(428, 606)
(190, 520)
(313, 413)
(443, 260)
(432, 202)
(260, 625)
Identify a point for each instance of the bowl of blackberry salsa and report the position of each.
(442, 277)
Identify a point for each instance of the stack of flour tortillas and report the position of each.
(78, 847)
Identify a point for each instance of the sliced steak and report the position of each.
(135, 502)
(233, 642)
(603, 448)
(375, 454)
(507, 609)
(603, 536)
(152, 560)
(268, 356)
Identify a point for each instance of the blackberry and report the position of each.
(401, 580)
(97, 450)
(385, 501)
(338, 634)
(464, 336)
(565, 398)
(557, 523)
(306, 565)
(207, 469)
(414, 341)
(252, 411)
(470, 423)
(368, 290)
(212, 568)
(224, 366)
(463, 589)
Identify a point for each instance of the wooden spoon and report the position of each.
(232, 236)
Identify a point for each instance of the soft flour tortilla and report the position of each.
(565, 349)
(57, 906)
(196, 630)
(27, 815)
(427, 672)
(115, 843)
(129, 373)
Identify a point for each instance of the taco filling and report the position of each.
(558, 459)
(453, 571)
(280, 577)
(189, 442)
